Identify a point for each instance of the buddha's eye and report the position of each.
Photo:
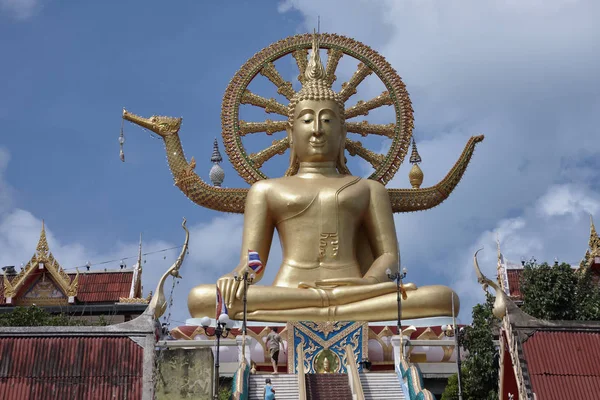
(326, 120)
(307, 120)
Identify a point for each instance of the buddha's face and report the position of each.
(318, 132)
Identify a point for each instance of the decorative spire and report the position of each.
(216, 174)
(216, 154)
(594, 242)
(42, 247)
(314, 69)
(416, 174)
(415, 158)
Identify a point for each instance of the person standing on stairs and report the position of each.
(269, 393)
(274, 344)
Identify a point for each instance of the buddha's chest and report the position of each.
(321, 201)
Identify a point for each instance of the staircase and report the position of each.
(327, 386)
(381, 386)
(285, 385)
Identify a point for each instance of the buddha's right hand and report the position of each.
(230, 289)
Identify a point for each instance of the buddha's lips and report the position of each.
(318, 144)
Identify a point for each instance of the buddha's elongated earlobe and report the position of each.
(294, 165)
(341, 161)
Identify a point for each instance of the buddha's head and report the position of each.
(316, 125)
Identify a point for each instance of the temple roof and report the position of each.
(563, 364)
(43, 281)
(556, 359)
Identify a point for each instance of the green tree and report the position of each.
(558, 292)
(37, 316)
(480, 365)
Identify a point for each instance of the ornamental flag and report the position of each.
(254, 262)
(221, 308)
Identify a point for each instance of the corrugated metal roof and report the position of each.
(70, 368)
(564, 365)
(96, 286)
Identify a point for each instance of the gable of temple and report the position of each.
(44, 282)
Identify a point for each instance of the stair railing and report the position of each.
(240, 381)
(409, 375)
(353, 377)
(301, 373)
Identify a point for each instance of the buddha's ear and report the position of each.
(288, 130)
(293, 167)
(341, 162)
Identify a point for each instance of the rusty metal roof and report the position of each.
(70, 368)
(564, 364)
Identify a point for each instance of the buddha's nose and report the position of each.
(318, 131)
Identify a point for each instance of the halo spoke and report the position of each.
(268, 126)
(355, 148)
(283, 87)
(333, 58)
(278, 147)
(301, 57)
(349, 88)
(363, 107)
(270, 105)
(364, 128)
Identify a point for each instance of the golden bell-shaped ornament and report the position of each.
(415, 176)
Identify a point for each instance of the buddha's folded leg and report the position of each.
(202, 299)
(426, 301)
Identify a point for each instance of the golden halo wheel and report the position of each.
(237, 93)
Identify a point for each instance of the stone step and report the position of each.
(285, 385)
(381, 386)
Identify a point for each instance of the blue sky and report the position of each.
(523, 73)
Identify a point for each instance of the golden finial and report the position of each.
(416, 174)
(315, 70)
(594, 242)
(42, 247)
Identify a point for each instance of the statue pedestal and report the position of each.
(323, 345)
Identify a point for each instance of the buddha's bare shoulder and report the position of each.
(268, 187)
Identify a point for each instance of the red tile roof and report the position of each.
(514, 283)
(70, 368)
(96, 287)
(564, 364)
(103, 287)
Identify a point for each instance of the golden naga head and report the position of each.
(316, 88)
(161, 125)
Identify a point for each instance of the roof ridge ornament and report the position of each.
(42, 248)
(594, 242)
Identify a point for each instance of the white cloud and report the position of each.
(524, 74)
(551, 227)
(568, 199)
(20, 9)
(214, 249)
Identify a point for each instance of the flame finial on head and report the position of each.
(315, 70)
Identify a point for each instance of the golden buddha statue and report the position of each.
(336, 230)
